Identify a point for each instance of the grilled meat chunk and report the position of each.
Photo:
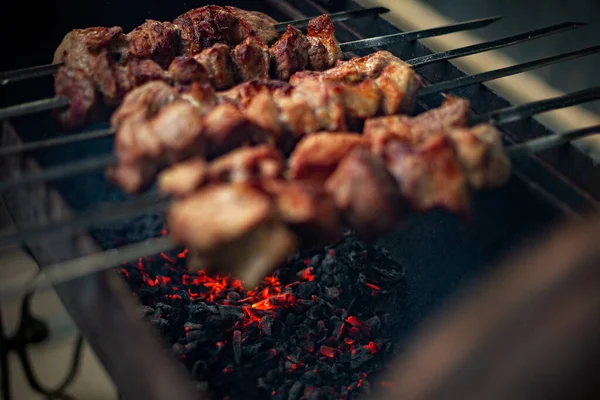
(307, 209)
(186, 69)
(321, 29)
(318, 155)
(83, 105)
(153, 40)
(482, 156)
(231, 228)
(217, 61)
(183, 178)
(252, 60)
(366, 194)
(203, 27)
(289, 53)
(326, 102)
(248, 165)
(429, 174)
(80, 47)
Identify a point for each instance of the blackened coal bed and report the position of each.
(322, 327)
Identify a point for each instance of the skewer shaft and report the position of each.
(33, 107)
(494, 44)
(67, 271)
(32, 234)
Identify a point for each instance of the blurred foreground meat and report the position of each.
(528, 331)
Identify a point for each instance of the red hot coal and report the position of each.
(322, 327)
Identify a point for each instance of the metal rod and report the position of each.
(335, 17)
(59, 141)
(426, 91)
(67, 271)
(548, 142)
(49, 69)
(494, 44)
(415, 35)
(56, 274)
(130, 211)
(517, 113)
(28, 73)
(33, 107)
(101, 216)
(502, 72)
(56, 102)
(60, 172)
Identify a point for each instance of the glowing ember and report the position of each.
(292, 336)
(327, 351)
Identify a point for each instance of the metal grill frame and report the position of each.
(141, 369)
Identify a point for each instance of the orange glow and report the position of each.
(327, 351)
(307, 274)
(125, 272)
(332, 252)
(374, 287)
(372, 347)
(182, 254)
(262, 305)
(167, 258)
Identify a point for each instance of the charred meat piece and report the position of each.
(326, 102)
(322, 30)
(186, 69)
(399, 84)
(296, 115)
(203, 27)
(380, 131)
(83, 99)
(247, 165)
(183, 178)
(318, 155)
(226, 128)
(454, 112)
(243, 94)
(80, 47)
(153, 40)
(482, 156)
(233, 229)
(252, 60)
(255, 24)
(307, 209)
(289, 54)
(366, 194)
(429, 175)
(217, 61)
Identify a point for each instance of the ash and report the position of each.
(322, 327)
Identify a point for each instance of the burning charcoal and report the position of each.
(272, 375)
(199, 369)
(266, 325)
(296, 391)
(145, 311)
(252, 350)
(197, 336)
(360, 355)
(308, 378)
(237, 347)
(312, 393)
(190, 326)
(374, 324)
(233, 296)
(291, 319)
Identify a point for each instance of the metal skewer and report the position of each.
(58, 101)
(129, 209)
(423, 92)
(73, 269)
(49, 69)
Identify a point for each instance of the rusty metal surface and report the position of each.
(101, 306)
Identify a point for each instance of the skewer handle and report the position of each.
(548, 142)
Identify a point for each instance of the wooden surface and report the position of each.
(518, 89)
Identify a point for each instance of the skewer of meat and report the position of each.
(349, 180)
(156, 126)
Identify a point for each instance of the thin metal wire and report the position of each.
(28, 73)
(494, 44)
(335, 17)
(502, 72)
(415, 35)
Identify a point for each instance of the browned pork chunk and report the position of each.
(324, 49)
(429, 175)
(80, 47)
(318, 155)
(153, 40)
(83, 99)
(307, 209)
(231, 228)
(203, 27)
(366, 194)
(251, 59)
(482, 155)
(290, 53)
(186, 69)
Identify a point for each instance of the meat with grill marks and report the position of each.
(260, 112)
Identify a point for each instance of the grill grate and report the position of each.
(543, 194)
